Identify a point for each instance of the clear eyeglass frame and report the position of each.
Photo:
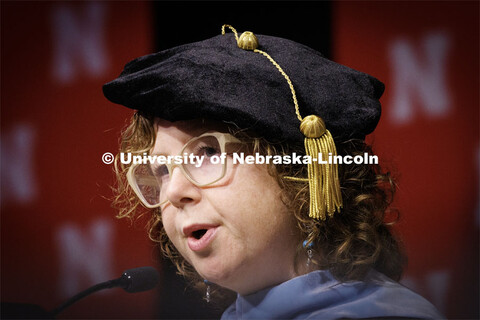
(222, 138)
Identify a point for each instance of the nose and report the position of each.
(180, 191)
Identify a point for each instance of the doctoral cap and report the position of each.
(267, 84)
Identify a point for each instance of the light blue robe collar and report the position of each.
(318, 295)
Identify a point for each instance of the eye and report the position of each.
(205, 147)
(160, 171)
(207, 151)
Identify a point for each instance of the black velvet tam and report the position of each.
(215, 79)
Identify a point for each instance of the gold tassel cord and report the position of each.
(231, 28)
(292, 90)
(324, 186)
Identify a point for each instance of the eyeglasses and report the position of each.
(206, 164)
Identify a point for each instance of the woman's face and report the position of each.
(237, 233)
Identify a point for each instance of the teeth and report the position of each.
(199, 233)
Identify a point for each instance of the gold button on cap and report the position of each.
(312, 126)
(247, 41)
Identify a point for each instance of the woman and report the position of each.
(294, 237)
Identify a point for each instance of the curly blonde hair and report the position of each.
(350, 244)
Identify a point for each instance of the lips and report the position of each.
(199, 236)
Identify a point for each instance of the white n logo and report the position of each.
(84, 256)
(17, 152)
(78, 40)
(419, 77)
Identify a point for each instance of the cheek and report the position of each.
(252, 204)
(168, 222)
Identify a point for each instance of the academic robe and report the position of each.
(318, 295)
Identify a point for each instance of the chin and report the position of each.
(216, 271)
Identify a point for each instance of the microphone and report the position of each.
(132, 280)
(138, 279)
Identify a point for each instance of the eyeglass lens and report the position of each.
(201, 162)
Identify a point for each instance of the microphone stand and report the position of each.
(132, 280)
(104, 285)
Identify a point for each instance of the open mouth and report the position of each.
(199, 237)
(198, 234)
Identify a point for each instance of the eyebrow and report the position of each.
(191, 137)
(158, 154)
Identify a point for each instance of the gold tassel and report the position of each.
(325, 194)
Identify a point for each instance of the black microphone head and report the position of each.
(140, 279)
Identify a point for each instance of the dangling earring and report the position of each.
(207, 292)
(308, 246)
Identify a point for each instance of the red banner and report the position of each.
(426, 53)
(59, 233)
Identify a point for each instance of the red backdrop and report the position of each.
(59, 234)
(427, 55)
